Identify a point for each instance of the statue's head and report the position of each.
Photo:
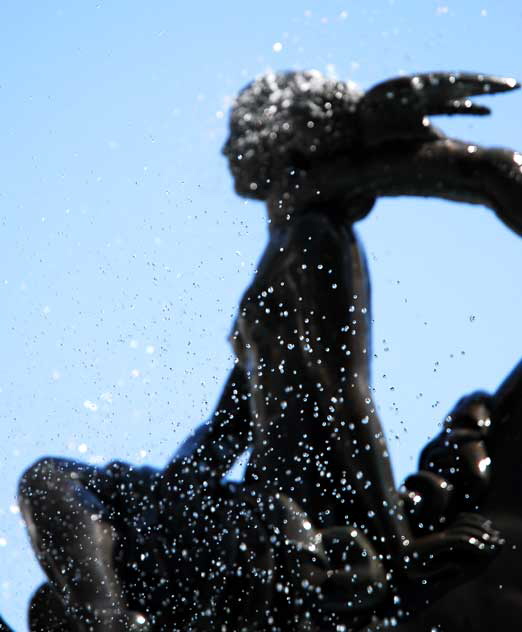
(285, 121)
(299, 138)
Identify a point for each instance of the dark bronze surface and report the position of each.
(317, 537)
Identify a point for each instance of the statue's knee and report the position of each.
(38, 478)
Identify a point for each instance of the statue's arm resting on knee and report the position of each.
(210, 451)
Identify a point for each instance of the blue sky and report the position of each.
(125, 250)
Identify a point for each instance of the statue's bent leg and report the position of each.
(332, 576)
(74, 539)
(242, 559)
(275, 568)
(305, 348)
(220, 562)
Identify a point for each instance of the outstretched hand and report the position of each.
(438, 563)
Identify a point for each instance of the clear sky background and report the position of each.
(124, 250)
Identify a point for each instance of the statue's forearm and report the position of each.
(210, 451)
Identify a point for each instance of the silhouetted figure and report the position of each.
(320, 154)
(318, 535)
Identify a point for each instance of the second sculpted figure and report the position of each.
(318, 535)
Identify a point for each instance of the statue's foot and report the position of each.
(439, 562)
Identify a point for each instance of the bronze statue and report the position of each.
(318, 535)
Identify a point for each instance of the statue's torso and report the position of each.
(286, 337)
